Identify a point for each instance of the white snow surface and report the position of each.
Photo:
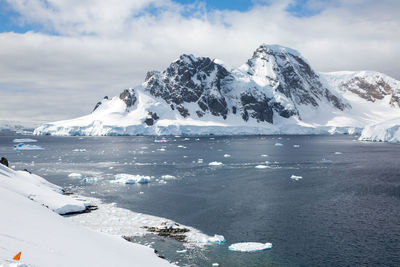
(47, 239)
(387, 131)
(250, 246)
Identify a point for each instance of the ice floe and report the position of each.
(262, 167)
(90, 180)
(124, 178)
(24, 140)
(168, 177)
(227, 156)
(79, 150)
(75, 175)
(338, 153)
(296, 146)
(217, 239)
(215, 163)
(278, 144)
(296, 177)
(22, 146)
(250, 246)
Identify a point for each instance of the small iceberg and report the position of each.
(90, 180)
(217, 239)
(261, 167)
(79, 150)
(227, 156)
(278, 144)
(296, 177)
(250, 246)
(168, 177)
(22, 146)
(24, 140)
(200, 161)
(124, 178)
(215, 163)
(161, 141)
(180, 146)
(264, 155)
(296, 146)
(75, 175)
(338, 153)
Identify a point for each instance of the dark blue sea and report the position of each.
(345, 211)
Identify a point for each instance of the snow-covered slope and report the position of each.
(387, 131)
(275, 92)
(47, 239)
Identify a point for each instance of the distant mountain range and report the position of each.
(275, 92)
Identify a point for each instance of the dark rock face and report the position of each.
(371, 91)
(4, 161)
(151, 118)
(258, 109)
(129, 97)
(190, 79)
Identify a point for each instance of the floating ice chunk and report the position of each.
(200, 161)
(296, 177)
(161, 149)
(215, 264)
(180, 146)
(250, 246)
(75, 175)
(261, 167)
(215, 163)
(278, 144)
(168, 177)
(24, 140)
(124, 178)
(217, 239)
(296, 146)
(324, 160)
(186, 139)
(22, 146)
(338, 153)
(79, 150)
(227, 156)
(181, 251)
(263, 155)
(90, 180)
(161, 141)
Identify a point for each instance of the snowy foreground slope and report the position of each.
(46, 238)
(275, 92)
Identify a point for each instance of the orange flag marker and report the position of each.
(17, 257)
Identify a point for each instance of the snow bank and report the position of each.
(109, 218)
(47, 239)
(39, 190)
(24, 140)
(124, 178)
(250, 246)
(22, 146)
(387, 131)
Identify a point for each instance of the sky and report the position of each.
(58, 58)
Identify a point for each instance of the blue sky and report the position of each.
(10, 20)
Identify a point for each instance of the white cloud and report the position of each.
(104, 46)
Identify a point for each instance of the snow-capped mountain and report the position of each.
(275, 91)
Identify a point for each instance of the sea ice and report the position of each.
(227, 156)
(168, 177)
(215, 163)
(261, 167)
(75, 175)
(250, 246)
(125, 178)
(217, 239)
(79, 150)
(24, 140)
(296, 177)
(22, 146)
(278, 144)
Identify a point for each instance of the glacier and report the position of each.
(386, 131)
(275, 92)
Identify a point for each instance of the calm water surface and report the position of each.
(344, 212)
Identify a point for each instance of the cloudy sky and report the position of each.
(59, 57)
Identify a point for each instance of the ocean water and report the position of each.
(345, 211)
